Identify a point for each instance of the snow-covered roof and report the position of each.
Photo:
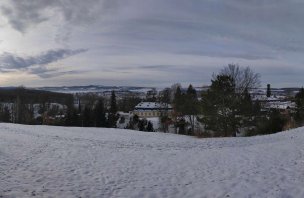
(152, 105)
(281, 105)
(265, 98)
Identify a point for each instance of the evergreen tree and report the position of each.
(142, 124)
(150, 127)
(268, 90)
(79, 106)
(127, 104)
(274, 122)
(133, 122)
(165, 96)
(191, 92)
(246, 106)
(177, 107)
(113, 107)
(299, 99)
(178, 100)
(191, 106)
(186, 105)
(226, 109)
(164, 115)
(87, 117)
(220, 107)
(247, 109)
(135, 119)
(100, 114)
(181, 126)
(6, 115)
(257, 108)
(71, 115)
(112, 115)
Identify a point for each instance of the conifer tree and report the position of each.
(112, 115)
(177, 98)
(191, 107)
(141, 125)
(71, 116)
(150, 127)
(164, 116)
(299, 99)
(6, 114)
(225, 110)
(100, 114)
(268, 91)
(87, 117)
(220, 106)
(177, 106)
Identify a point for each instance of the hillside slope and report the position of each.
(45, 161)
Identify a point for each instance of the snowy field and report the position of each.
(42, 161)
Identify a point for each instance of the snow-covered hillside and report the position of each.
(45, 161)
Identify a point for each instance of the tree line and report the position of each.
(225, 109)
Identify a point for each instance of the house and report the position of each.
(152, 109)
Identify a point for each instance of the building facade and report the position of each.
(152, 109)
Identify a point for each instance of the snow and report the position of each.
(281, 105)
(152, 105)
(45, 161)
(268, 99)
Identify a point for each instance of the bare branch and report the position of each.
(244, 78)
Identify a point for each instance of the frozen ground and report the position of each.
(46, 161)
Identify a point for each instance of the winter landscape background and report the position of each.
(151, 98)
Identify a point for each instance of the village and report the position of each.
(279, 99)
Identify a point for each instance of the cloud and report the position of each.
(11, 61)
(169, 24)
(21, 20)
(147, 67)
(44, 72)
(210, 33)
(22, 15)
(36, 64)
(227, 54)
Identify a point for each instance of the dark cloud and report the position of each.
(50, 73)
(35, 64)
(11, 61)
(22, 14)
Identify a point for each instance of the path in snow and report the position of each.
(44, 161)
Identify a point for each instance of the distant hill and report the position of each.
(27, 95)
(94, 88)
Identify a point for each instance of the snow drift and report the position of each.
(46, 161)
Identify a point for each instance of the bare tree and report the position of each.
(244, 78)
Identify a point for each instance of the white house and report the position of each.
(152, 109)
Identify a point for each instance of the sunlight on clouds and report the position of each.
(15, 78)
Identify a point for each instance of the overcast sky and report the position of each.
(148, 42)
